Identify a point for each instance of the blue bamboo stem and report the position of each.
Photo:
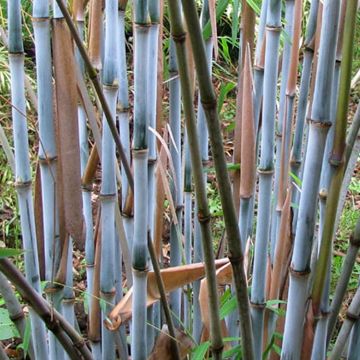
(22, 169)
(273, 27)
(318, 128)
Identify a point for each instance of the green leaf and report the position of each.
(228, 354)
(224, 90)
(255, 6)
(225, 297)
(271, 305)
(201, 350)
(297, 180)
(220, 8)
(228, 307)
(7, 327)
(27, 335)
(7, 252)
(235, 21)
(277, 349)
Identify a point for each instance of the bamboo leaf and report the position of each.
(254, 5)
(236, 350)
(228, 307)
(27, 337)
(8, 252)
(235, 21)
(200, 351)
(7, 327)
(224, 90)
(297, 180)
(220, 8)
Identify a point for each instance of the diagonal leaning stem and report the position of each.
(209, 103)
(72, 342)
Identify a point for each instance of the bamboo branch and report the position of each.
(72, 342)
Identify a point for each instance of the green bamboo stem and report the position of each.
(343, 281)
(337, 162)
(337, 157)
(179, 36)
(352, 314)
(208, 100)
(204, 151)
(72, 342)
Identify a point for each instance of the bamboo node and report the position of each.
(47, 159)
(87, 187)
(319, 124)
(152, 161)
(18, 316)
(39, 19)
(274, 28)
(203, 218)
(108, 197)
(258, 305)
(258, 67)
(111, 87)
(295, 162)
(265, 171)
(351, 316)
(300, 273)
(52, 288)
(208, 104)
(206, 163)
(355, 241)
(122, 109)
(140, 272)
(69, 300)
(22, 184)
(139, 153)
(113, 324)
(336, 160)
(179, 37)
(235, 260)
(323, 193)
(109, 293)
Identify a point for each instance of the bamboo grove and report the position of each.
(103, 101)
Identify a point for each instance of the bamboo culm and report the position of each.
(319, 125)
(209, 103)
(178, 35)
(204, 145)
(108, 189)
(265, 170)
(15, 310)
(140, 160)
(22, 169)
